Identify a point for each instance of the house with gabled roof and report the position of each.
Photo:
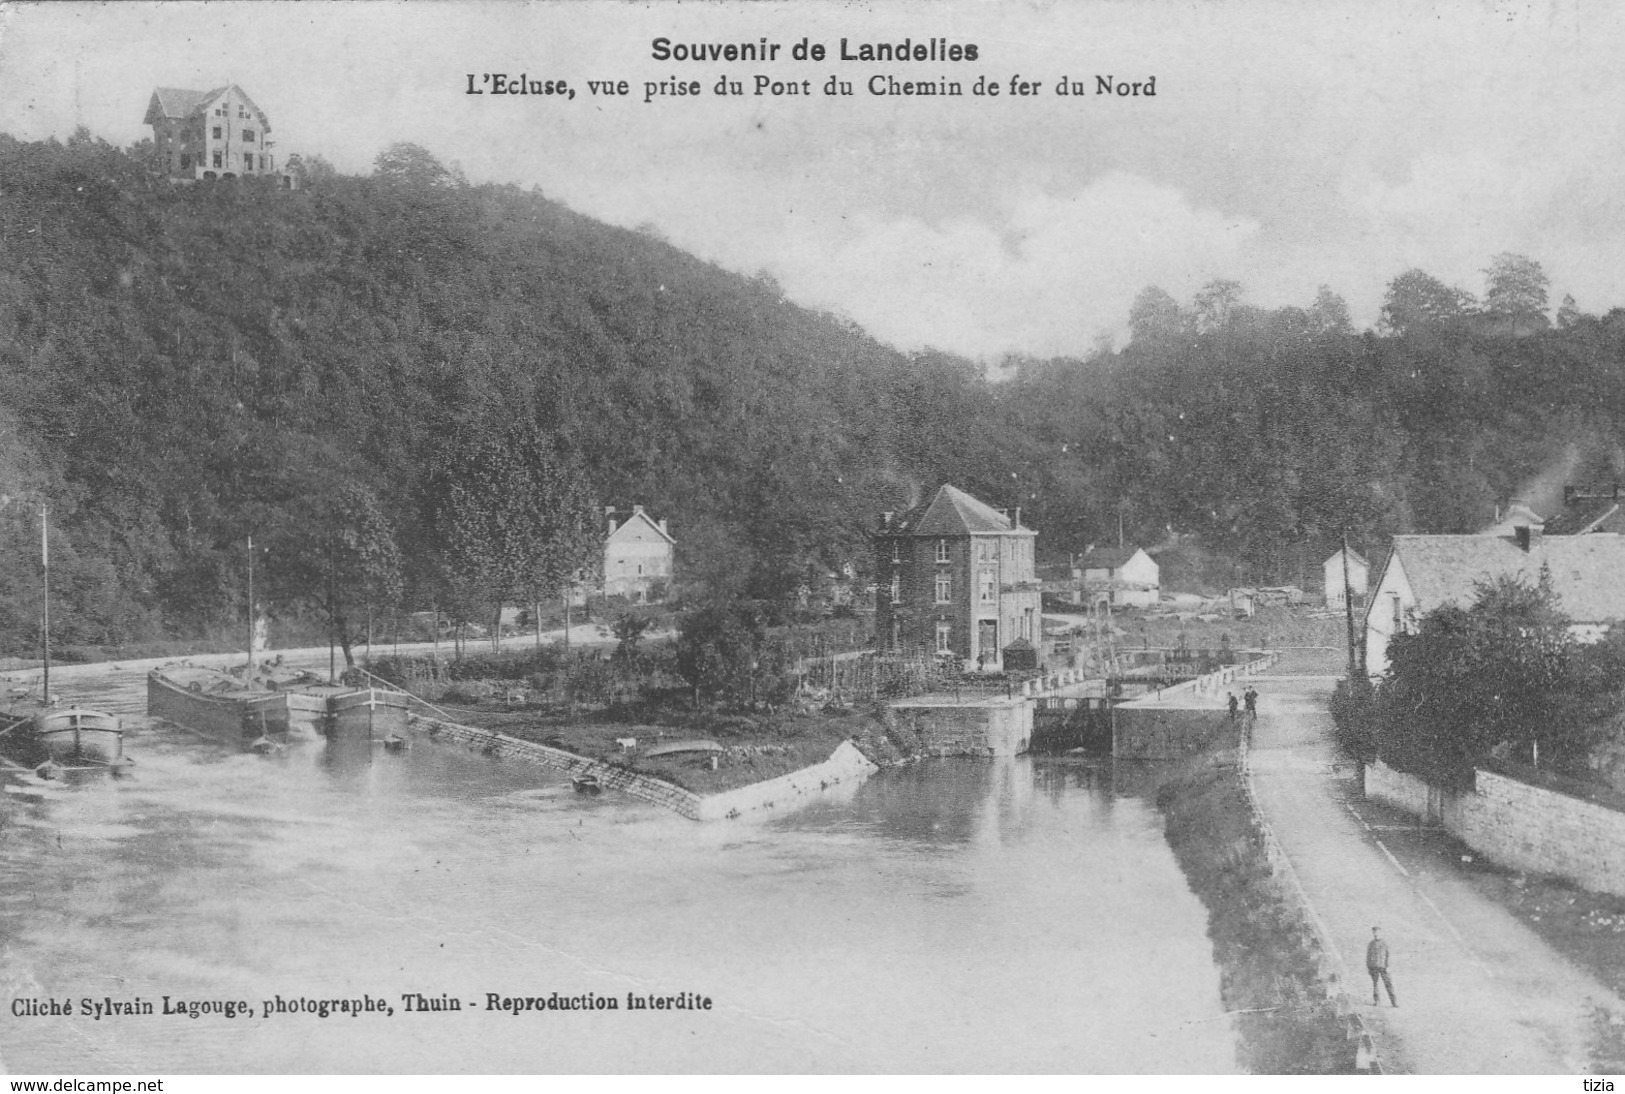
(1422, 573)
(638, 555)
(956, 578)
(1121, 576)
(217, 134)
(1588, 511)
(1345, 577)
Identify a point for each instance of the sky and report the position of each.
(1287, 145)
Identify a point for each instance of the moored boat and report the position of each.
(36, 734)
(586, 784)
(371, 713)
(217, 704)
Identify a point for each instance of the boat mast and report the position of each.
(45, 627)
(248, 677)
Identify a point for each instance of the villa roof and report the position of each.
(952, 512)
(179, 102)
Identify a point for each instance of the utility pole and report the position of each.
(1348, 610)
(248, 677)
(45, 618)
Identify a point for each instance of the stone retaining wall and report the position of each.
(844, 764)
(1167, 733)
(1518, 825)
(990, 728)
(492, 743)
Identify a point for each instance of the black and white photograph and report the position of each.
(811, 538)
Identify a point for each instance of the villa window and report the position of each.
(989, 585)
(248, 135)
(896, 588)
(945, 634)
(942, 551)
(217, 160)
(217, 132)
(945, 589)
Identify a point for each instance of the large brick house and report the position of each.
(955, 577)
(217, 134)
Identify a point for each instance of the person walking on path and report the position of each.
(1376, 963)
(1233, 706)
(1250, 697)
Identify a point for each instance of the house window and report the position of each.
(896, 552)
(186, 160)
(945, 634)
(1027, 624)
(262, 163)
(217, 132)
(945, 589)
(942, 551)
(248, 135)
(248, 161)
(989, 585)
(896, 588)
(1399, 616)
(640, 569)
(217, 159)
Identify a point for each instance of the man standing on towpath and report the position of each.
(1376, 963)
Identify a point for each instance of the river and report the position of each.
(1019, 915)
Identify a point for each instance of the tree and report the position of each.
(1494, 677)
(1155, 315)
(1416, 299)
(717, 648)
(409, 164)
(310, 170)
(336, 550)
(1217, 304)
(1568, 313)
(1329, 313)
(519, 516)
(1515, 292)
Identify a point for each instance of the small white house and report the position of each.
(1337, 592)
(638, 555)
(1126, 577)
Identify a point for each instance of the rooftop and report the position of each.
(1587, 572)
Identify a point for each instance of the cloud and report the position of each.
(1044, 275)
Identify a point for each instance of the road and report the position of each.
(1478, 992)
(120, 686)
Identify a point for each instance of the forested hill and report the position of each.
(185, 365)
(181, 367)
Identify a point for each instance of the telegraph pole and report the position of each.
(45, 619)
(1348, 610)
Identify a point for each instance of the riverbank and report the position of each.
(1270, 979)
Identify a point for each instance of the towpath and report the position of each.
(1478, 992)
(121, 687)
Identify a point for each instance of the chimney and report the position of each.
(1528, 536)
(609, 519)
(663, 528)
(1016, 523)
(636, 509)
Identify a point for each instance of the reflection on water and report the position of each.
(949, 916)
